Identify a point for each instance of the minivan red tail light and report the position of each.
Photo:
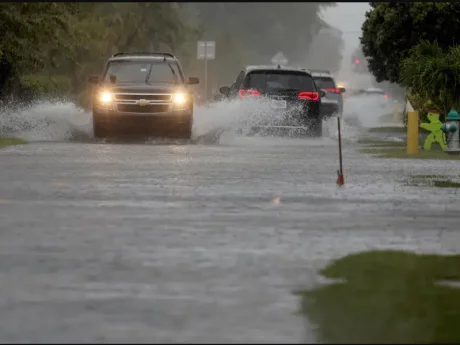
(311, 96)
(248, 93)
(332, 90)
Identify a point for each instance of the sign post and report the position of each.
(279, 59)
(340, 180)
(206, 50)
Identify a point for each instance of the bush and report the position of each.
(422, 106)
(433, 76)
(41, 86)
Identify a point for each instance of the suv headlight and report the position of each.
(180, 100)
(105, 97)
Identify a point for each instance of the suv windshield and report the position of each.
(324, 83)
(143, 72)
(278, 80)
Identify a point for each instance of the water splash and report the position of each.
(46, 121)
(224, 122)
(228, 121)
(232, 115)
(366, 111)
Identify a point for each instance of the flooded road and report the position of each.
(196, 241)
(184, 243)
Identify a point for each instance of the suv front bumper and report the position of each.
(125, 112)
(136, 122)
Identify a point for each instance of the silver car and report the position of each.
(332, 102)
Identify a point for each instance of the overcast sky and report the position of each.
(348, 17)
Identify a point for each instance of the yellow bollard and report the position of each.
(395, 112)
(412, 133)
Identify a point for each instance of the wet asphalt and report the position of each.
(188, 243)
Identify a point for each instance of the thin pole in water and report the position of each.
(340, 179)
(206, 75)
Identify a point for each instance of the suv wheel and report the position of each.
(185, 130)
(316, 128)
(99, 127)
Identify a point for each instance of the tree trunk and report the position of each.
(155, 42)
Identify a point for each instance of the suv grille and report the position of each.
(135, 108)
(143, 103)
(125, 97)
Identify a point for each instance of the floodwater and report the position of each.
(189, 241)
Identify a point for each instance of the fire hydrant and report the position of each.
(451, 128)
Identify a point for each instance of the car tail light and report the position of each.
(248, 93)
(332, 90)
(385, 96)
(311, 96)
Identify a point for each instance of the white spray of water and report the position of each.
(45, 121)
(234, 115)
(367, 111)
(217, 122)
(228, 117)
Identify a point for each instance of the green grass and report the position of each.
(438, 181)
(381, 143)
(401, 153)
(426, 176)
(4, 142)
(387, 297)
(446, 184)
(391, 129)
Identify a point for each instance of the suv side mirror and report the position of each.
(94, 79)
(342, 89)
(193, 81)
(322, 93)
(224, 90)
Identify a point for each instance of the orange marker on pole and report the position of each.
(340, 179)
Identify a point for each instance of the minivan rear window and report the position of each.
(324, 83)
(279, 80)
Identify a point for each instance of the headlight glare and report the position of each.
(180, 99)
(105, 97)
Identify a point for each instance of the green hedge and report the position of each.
(46, 86)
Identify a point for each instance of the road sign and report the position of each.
(279, 59)
(206, 50)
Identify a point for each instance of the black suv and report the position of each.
(143, 93)
(290, 91)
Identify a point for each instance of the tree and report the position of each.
(433, 74)
(49, 49)
(391, 29)
(325, 51)
(262, 28)
(254, 32)
(31, 34)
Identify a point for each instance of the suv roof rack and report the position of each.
(146, 54)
